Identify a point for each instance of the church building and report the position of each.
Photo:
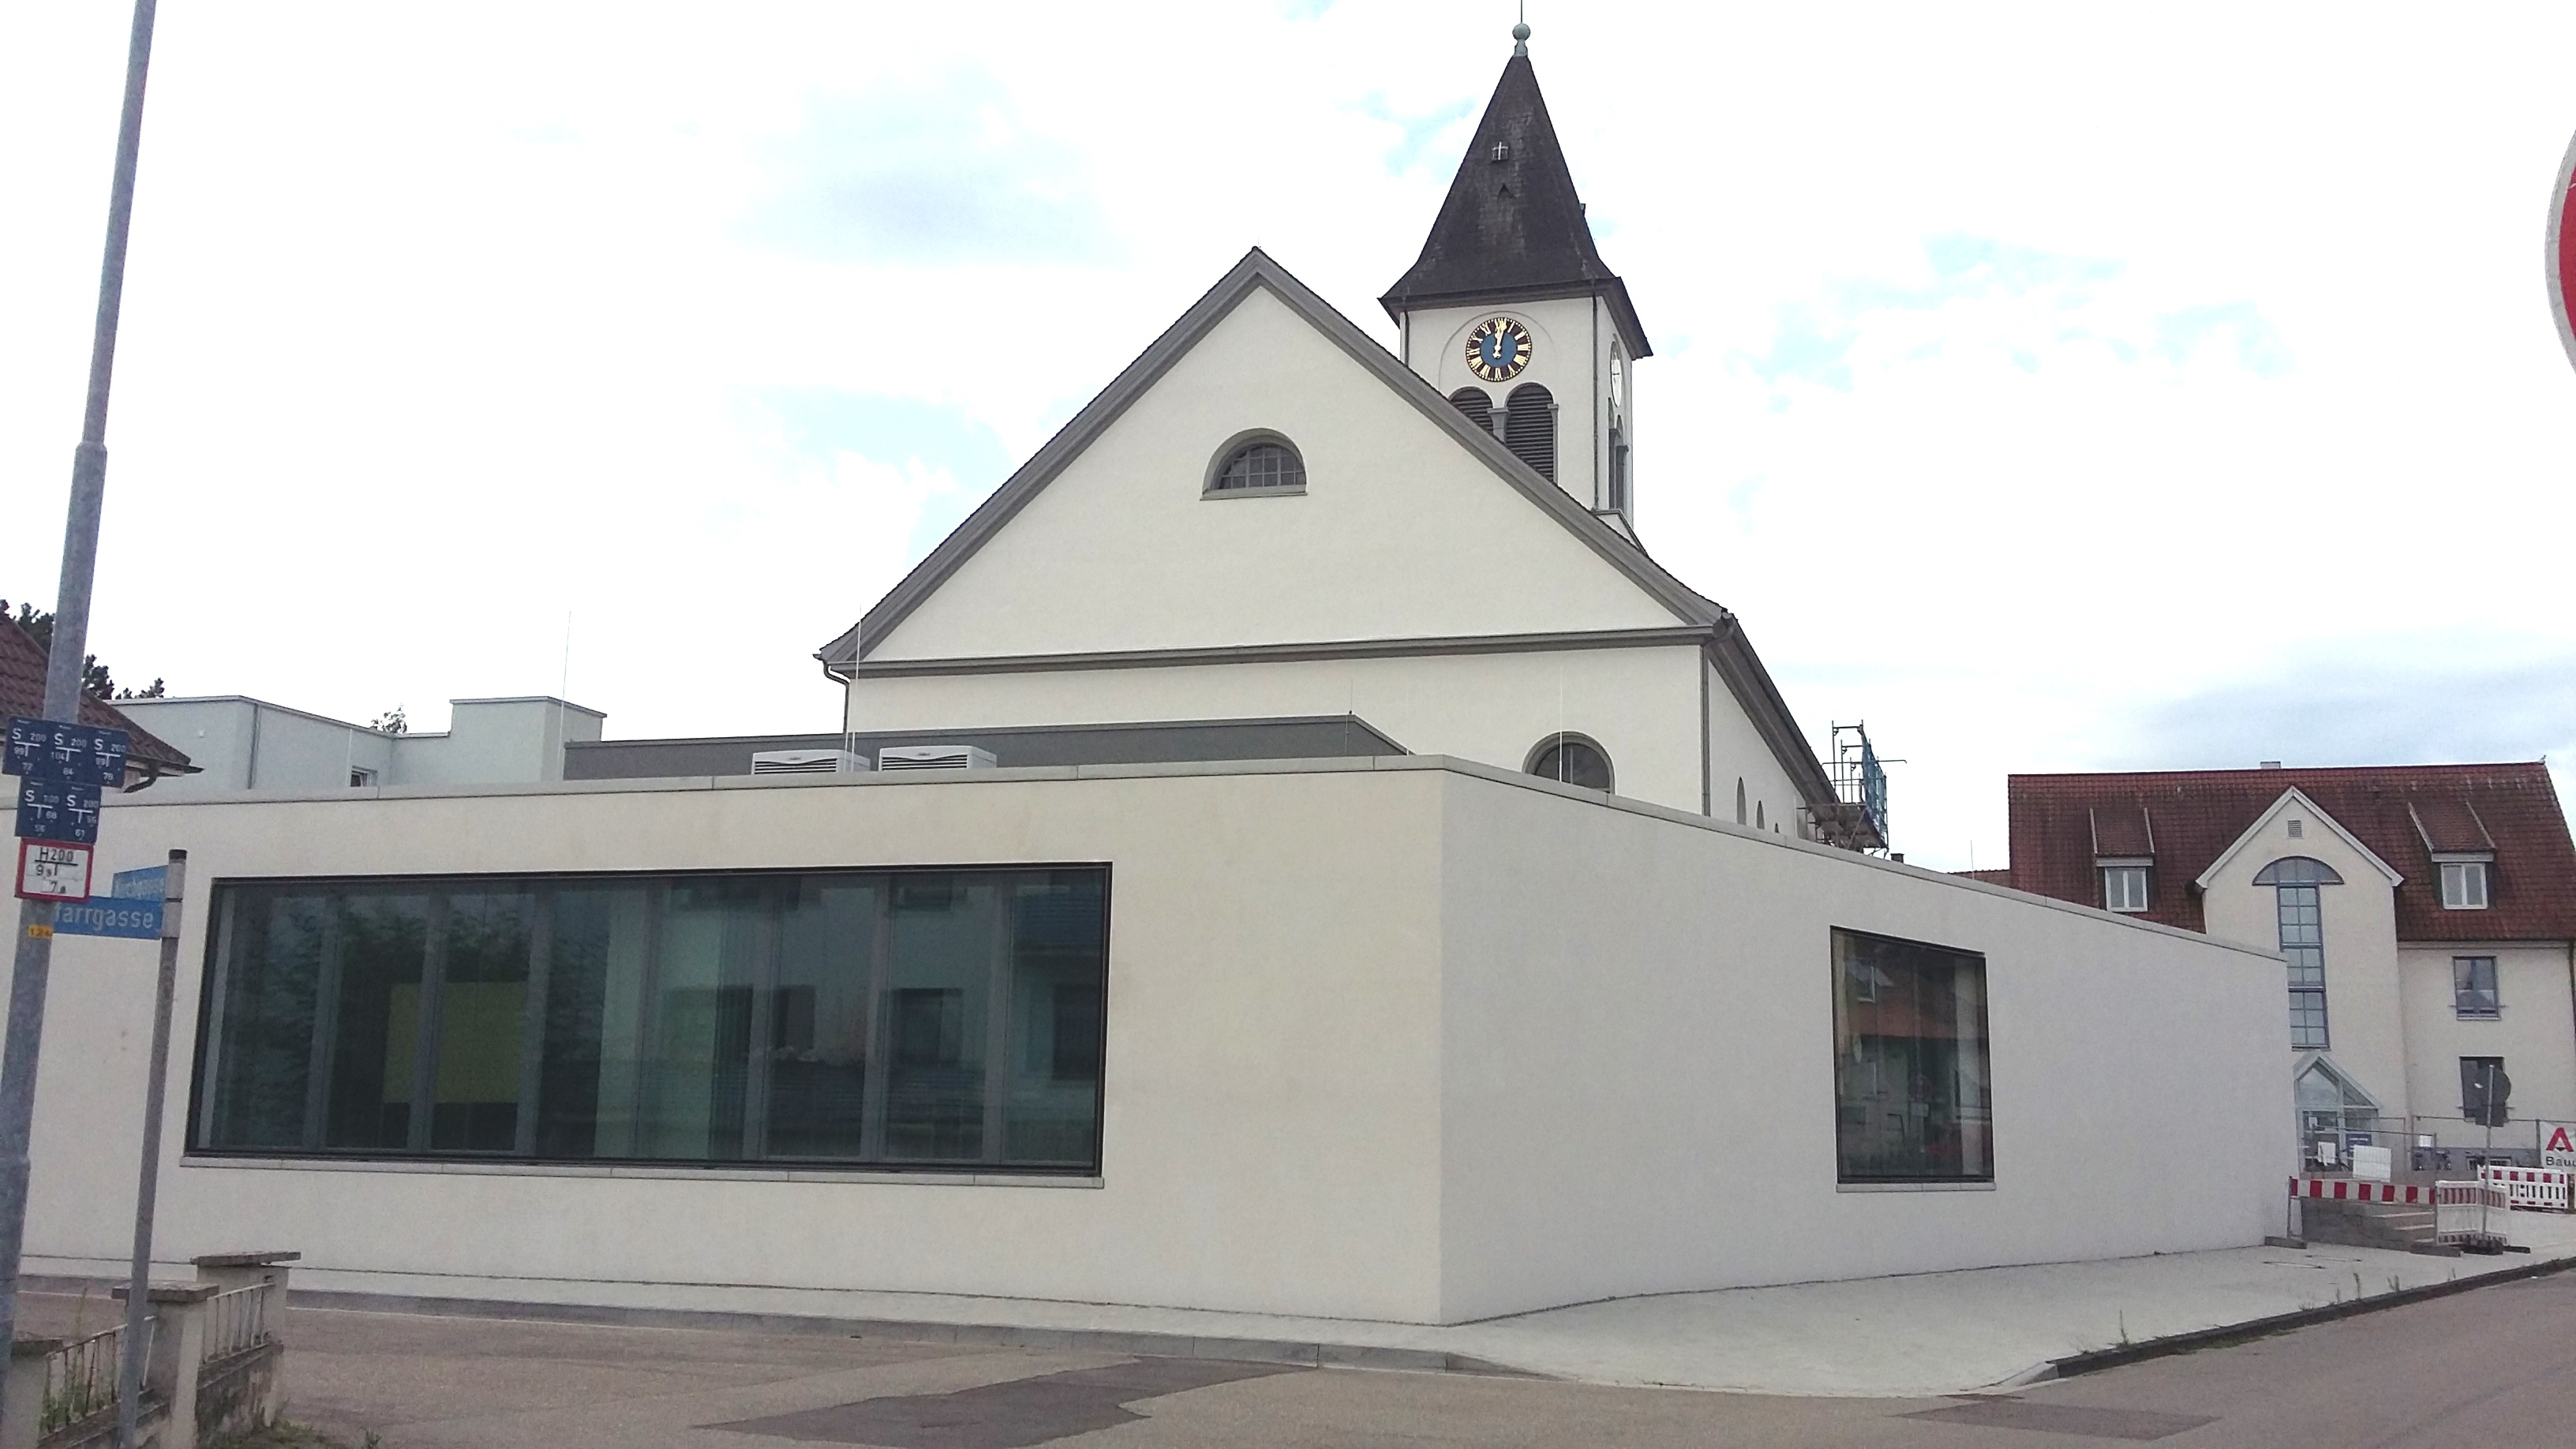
(1292, 850)
(1268, 514)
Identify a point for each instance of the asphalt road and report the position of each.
(2495, 1366)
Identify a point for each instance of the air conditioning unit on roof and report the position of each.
(934, 757)
(807, 762)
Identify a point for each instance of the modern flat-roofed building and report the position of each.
(2426, 915)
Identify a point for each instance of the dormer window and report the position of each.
(2464, 885)
(2124, 887)
(1256, 464)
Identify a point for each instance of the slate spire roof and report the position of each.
(1512, 227)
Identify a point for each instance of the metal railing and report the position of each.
(236, 1320)
(81, 1376)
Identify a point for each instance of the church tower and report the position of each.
(1511, 312)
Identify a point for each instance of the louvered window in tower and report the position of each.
(1529, 429)
(1478, 407)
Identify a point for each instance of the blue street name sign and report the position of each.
(78, 754)
(148, 884)
(56, 810)
(109, 916)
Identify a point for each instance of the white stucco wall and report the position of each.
(1640, 1084)
(1641, 704)
(2535, 1031)
(1412, 1040)
(1401, 532)
(238, 743)
(2365, 1014)
(1736, 753)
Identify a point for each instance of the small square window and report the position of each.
(2473, 988)
(361, 779)
(2464, 885)
(2124, 888)
(2298, 829)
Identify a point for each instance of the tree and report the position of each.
(95, 679)
(391, 722)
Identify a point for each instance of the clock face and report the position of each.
(1498, 349)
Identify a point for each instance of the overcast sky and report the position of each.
(2053, 387)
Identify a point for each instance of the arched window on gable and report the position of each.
(1529, 428)
(1257, 463)
(1572, 760)
(1739, 799)
(1476, 405)
(2295, 880)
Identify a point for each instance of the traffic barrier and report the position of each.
(2344, 1189)
(2472, 1214)
(2544, 1188)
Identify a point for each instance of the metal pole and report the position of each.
(138, 1283)
(62, 684)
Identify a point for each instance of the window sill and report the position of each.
(2478, 1016)
(452, 1167)
(1210, 495)
(1986, 1186)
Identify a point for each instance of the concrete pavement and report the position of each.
(2495, 1365)
(1934, 1333)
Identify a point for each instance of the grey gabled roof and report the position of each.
(1725, 647)
(1512, 227)
(1256, 270)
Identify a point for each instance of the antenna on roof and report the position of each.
(1520, 32)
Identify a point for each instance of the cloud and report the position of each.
(2375, 705)
(935, 461)
(939, 174)
(1416, 131)
(2030, 307)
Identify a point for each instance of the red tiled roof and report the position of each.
(2404, 813)
(1990, 877)
(22, 692)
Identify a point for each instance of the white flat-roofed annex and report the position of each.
(1404, 1038)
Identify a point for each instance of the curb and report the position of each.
(979, 1335)
(2095, 1360)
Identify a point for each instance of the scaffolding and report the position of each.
(1858, 818)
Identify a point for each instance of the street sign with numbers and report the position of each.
(57, 810)
(49, 870)
(79, 754)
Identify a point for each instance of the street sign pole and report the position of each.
(129, 1375)
(63, 683)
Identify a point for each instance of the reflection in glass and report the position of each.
(1913, 1099)
(915, 1017)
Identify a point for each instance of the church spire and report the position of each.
(1512, 227)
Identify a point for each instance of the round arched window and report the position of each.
(1571, 760)
(1264, 464)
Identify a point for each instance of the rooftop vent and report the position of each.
(807, 762)
(2271, 764)
(934, 757)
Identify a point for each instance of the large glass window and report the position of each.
(2303, 945)
(1912, 1095)
(2473, 988)
(912, 1018)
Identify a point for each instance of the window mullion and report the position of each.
(879, 1028)
(433, 990)
(532, 1020)
(326, 1025)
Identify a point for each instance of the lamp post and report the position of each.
(63, 681)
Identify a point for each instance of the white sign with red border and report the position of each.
(51, 870)
(2558, 1151)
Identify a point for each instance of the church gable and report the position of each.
(1412, 523)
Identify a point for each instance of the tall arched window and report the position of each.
(1478, 407)
(1572, 760)
(1739, 799)
(1258, 463)
(2295, 880)
(1529, 428)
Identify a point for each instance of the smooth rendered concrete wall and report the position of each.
(2535, 1032)
(1402, 531)
(2365, 1016)
(1736, 752)
(1639, 1076)
(1271, 1064)
(1641, 704)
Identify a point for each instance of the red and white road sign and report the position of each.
(2562, 251)
(53, 870)
(2558, 1151)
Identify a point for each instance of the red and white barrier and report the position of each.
(2473, 1214)
(2344, 1189)
(2544, 1188)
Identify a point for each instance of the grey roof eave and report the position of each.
(1741, 668)
(1256, 269)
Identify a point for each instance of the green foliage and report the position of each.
(391, 722)
(95, 679)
